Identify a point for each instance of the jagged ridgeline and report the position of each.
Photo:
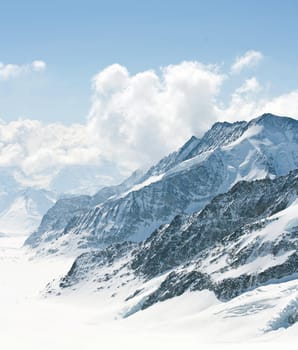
(181, 183)
(242, 239)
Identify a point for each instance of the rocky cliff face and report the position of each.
(225, 217)
(58, 218)
(242, 239)
(182, 183)
(229, 259)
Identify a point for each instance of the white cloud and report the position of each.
(285, 105)
(8, 71)
(249, 59)
(247, 105)
(40, 151)
(134, 120)
(249, 86)
(139, 118)
(38, 66)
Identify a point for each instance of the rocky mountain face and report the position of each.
(23, 203)
(243, 239)
(181, 183)
(228, 247)
(220, 214)
(60, 215)
(244, 205)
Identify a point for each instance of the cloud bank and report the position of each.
(139, 117)
(39, 151)
(135, 119)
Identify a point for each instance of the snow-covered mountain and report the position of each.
(241, 240)
(23, 203)
(21, 208)
(205, 241)
(59, 216)
(24, 210)
(181, 183)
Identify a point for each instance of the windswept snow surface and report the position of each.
(85, 320)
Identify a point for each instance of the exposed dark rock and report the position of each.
(176, 284)
(88, 262)
(228, 215)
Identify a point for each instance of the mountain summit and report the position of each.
(181, 183)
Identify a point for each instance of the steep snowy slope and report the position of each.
(57, 218)
(183, 182)
(83, 319)
(243, 239)
(21, 209)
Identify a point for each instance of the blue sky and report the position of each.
(106, 87)
(77, 39)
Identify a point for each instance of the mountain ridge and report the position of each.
(183, 182)
(205, 250)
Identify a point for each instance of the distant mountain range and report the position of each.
(22, 206)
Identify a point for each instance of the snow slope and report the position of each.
(244, 240)
(22, 206)
(85, 320)
(23, 209)
(183, 182)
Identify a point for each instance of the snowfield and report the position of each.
(86, 320)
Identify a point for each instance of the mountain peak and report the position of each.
(191, 140)
(190, 144)
(183, 182)
(221, 124)
(268, 119)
